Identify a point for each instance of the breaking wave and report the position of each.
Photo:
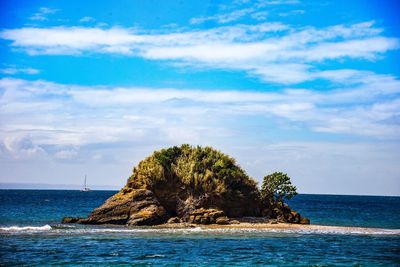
(26, 228)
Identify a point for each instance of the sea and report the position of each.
(31, 235)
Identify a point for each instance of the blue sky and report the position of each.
(310, 88)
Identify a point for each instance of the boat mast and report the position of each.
(85, 182)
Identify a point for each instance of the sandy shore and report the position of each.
(284, 227)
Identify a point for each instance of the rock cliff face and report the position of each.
(186, 184)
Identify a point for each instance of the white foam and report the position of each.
(89, 230)
(235, 231)
(63, 229)
(26, 228)
(155, 256)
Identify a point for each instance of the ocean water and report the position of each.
(31, 234)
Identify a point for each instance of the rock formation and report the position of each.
(197, 185)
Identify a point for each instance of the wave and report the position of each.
(78, 230)
(239, 231)
(26, 228)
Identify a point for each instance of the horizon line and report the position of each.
(73, 187)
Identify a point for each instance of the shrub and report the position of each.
(277, 187)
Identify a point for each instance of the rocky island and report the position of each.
(195, 185)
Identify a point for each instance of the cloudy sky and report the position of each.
(308, 88)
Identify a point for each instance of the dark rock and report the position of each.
(304, 220)
(174, 220)
(281, 219)
(150, 215)
(222, 220)
(284, 214)
(215, 214)
(266, 213)
(253, 219)
(70, 220)
(205, 216)
(204, 220)
(128, 207)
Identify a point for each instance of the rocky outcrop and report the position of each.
(283, 213)
(186, 185)
(128, 207)
(207, 216)
(174, 220)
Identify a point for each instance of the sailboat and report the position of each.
(85, 188)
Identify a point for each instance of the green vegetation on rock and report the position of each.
(200, 170)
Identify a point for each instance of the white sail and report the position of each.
(85, 188)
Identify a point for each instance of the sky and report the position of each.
(309, 88)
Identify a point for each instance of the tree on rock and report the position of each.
(277, 187)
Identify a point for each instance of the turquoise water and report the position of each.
(30, 233)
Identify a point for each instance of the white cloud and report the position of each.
(51, 125)
(236, 10)
(282, 73)
(14, 70)
(367, 48)
(21, 146)
(261, 15)
(42, 14)
(102, 126)
(292, 13)
(263, 3)
(122, 113)
(66, 154)
(224, 18)
(87, 19)
(273, 52)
